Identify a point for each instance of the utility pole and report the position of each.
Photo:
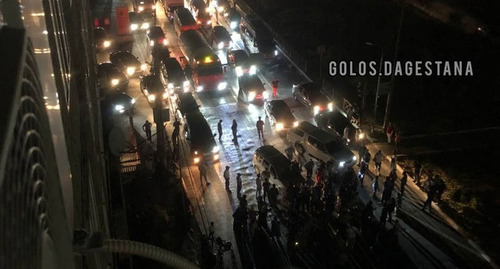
(157, 110)
(378, 80)
(396, 51)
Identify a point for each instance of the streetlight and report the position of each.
(379, 75)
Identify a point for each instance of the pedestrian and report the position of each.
(394, 160)
(176, 131)
(440, 187)
(378, 161)
(238, 184)
(397, 140)
(361, 152)
(258, 182)
(367, 213)
(266, 175)
(389, 131)
(243, 201)
(226, 177)
(266, 186)
(260, 128)
(418, 168)
(203, 173)
(375, 187)
(273, 196)
(211, 232)
(219, 129)
(383, 216)
(275, 228)
(234, 128)
(147, 129)
(289, 151)
(404, 180)
(275, 85)
(387, 192)
(309, 168)
(391, 206)
(430, 197)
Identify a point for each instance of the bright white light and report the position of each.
(144, 67)
(186, 89)
(361, 136)
(215, 149)
(251, 96)
(275, 52)
(266, 95)
(165, 95)
(165, 42)
(233, 25)
(106, 43)
(209, 22)
(151, 43)
(115, 81)
(141, 9)
(130, 70)
(153, 7)
(208, 10)
(253, 70)
(222, 86)
(185, 84)
(119, 107)
(216, 157)
(170, 85)
(132, 101)
(295, 123)
(134, 26)
(279, 126)
(145, 26)
(341, 164)
(45, 32)
(199, 88)
(330, 106)
(151, 98)
(196, 160)
(220, 9)
(354, 158)
(171, 91)
(220, 45)
(239, 71)
(316, 110)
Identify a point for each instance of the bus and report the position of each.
(183, 20)
(200, 138)
(205, 65)
(257, 38)
(200, 13)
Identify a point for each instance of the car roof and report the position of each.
(274, 156)
(252, 82)
(172, 64)
(153, 83)
(220, 30)
(156, 30)
(239, 54)
(201, 134)
(316, 132)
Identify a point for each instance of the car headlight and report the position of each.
(115, 81)
(233, 25)
(279, 126)
(165, 95)
(165, 42)
(153, 7)
(220, 9)
(251, 96)
(134, 26)
(216, 157)
(275, 52)
(141, 9)
(119, 107)
(220, 45)
(152, 43)
(185, 84)
(145, 26)
(295, 123)
(199, 88)
(215, 149)
(316, 110)
(265, 94)
(253, 70)
(132, 101)
(151, 98)
(222, 86)
(361, 136)
(239, 71)
(170, 85)
(171, 91)
(341, 164)
(106, 43)
(130, 70)
(146, 92)
(354, 158)
(144, 67)
(209, 22)
(330, 106)
(196, 160)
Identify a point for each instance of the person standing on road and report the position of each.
(397, 140)
(226, 177)
(361, 152)
(378, 161)
(275, 228)
(238, 185)
(430, 196)
(440, 187)
(175, 133)
(219, 129)
(203, 173)
(389, 131)
(211, 232)
(260, 128)
(289, 151)
(147, 129)
(391, 206)
(273, 196)
(275, 85)
(258, 182)
(266, 186)
(234, 128)
(418, 168)
(375, 187)
(404, 180)
(309, 168)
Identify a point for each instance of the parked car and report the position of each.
(321, 145)
(109, 76)
(279, 114)
(252, 90)
(310, 95)
(153, 88)
(336, 123)
(241, 62)
(221, 37)
(101, 40)
(127, 63)
(173, 76)
(268, 157)
(156, 36)
(121, 102)
(137, 22)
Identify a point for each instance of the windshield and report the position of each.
(210, 70)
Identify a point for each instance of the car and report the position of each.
(310, 95)
(336, 123)
(252, 90)
(173, 76)
(186, 103)
(121, 102)
(153, 88)
(127, 62)
(137, 22)
(147, 7)
(241, 63)
(101, 40)
(200, 137)
(156, 36)
(279, 114)
(221, 37)
(233, 18)
(321, 145)
(109, 76)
